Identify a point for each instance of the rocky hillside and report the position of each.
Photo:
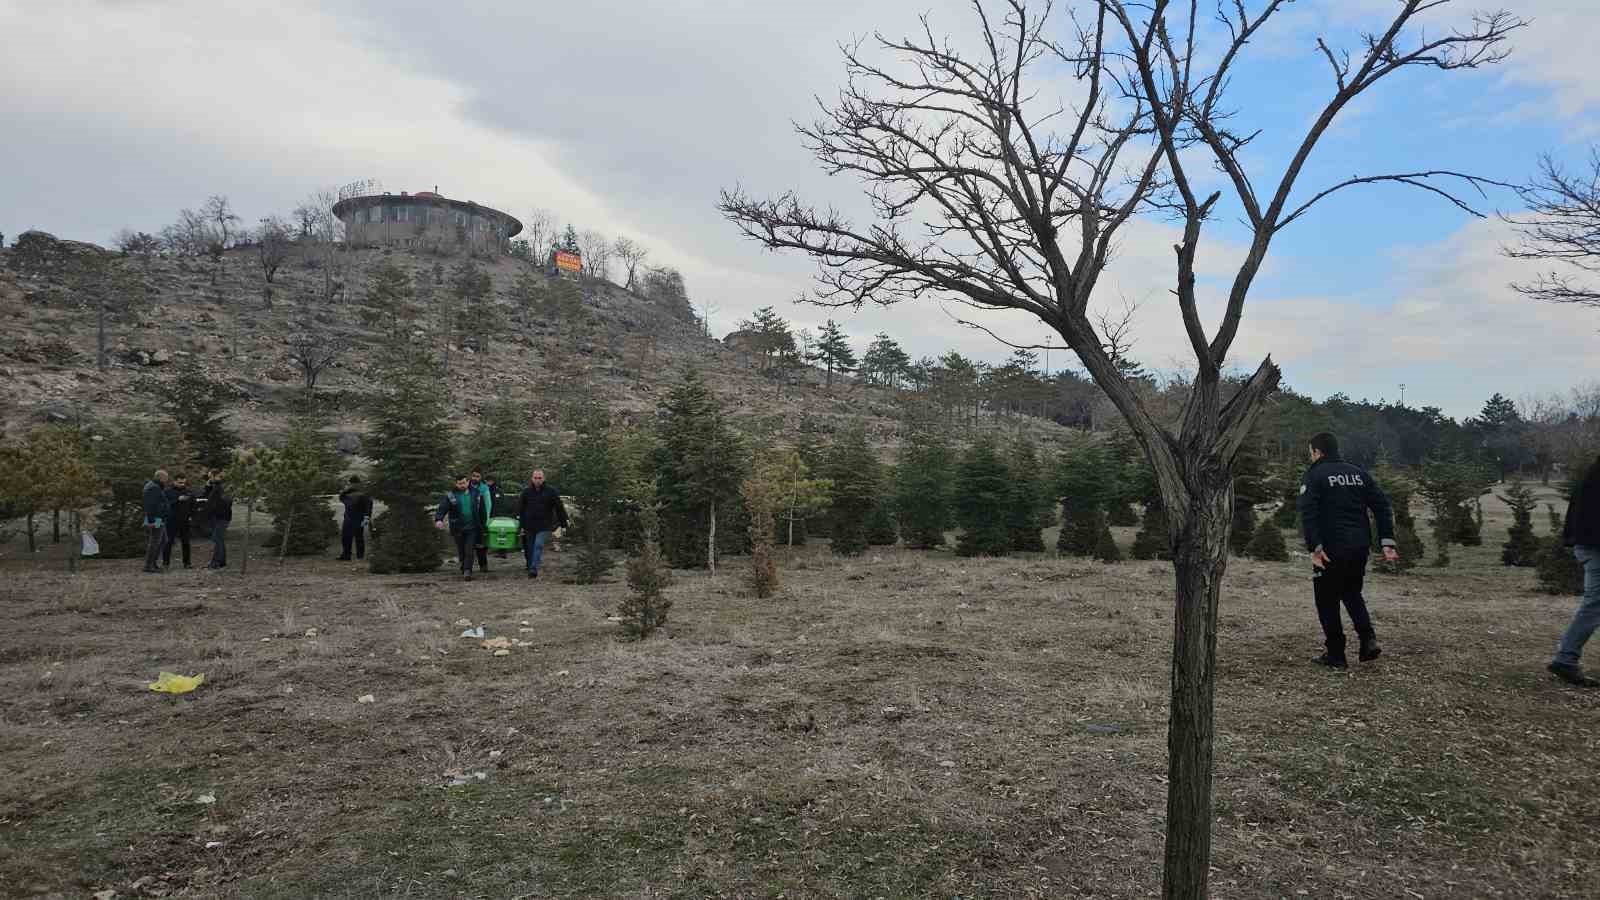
(618, 346)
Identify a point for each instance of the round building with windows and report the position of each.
(425, 221)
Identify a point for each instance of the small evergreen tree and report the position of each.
(1028, 502)
(700, 462)
(980, 504)
(798, 495)
(500, 444)
(645, 607)
(1152, 541)
(246, 478)
(1559, 571)
(1105, 545)
(1267, 543)
(761, 490)
(1085, 480)
(853, 470)
(393, 298)
(1244, 527)
(198, 404)
(922, 487)
(296, 487)
(410, 441)
(1523, 548)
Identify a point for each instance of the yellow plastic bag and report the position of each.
(168, 683)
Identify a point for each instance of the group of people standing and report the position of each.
(469, 506)
(173, 512)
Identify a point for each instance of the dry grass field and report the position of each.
(898, 725)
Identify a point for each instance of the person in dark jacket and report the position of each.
(155, 519)
(464, 509)
(1334, 500)
(498, 500)
(218, 514)
(357, 513)
(542, 511)
(180, 507)
(483, 498)
(1582, 534)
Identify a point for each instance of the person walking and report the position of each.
(483, 503)
(357, 513)
(542, 511)
(463, 508)
(180, 508)
(1334, 500)
(155, 517)
(1582, 534)
(218, 514)
(498, 500)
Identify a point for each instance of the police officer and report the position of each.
(1334, 500)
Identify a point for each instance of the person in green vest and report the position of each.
(464, 509)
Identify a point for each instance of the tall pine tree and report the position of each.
(700, 463)
(981, 500)
(854, 471)
(410, 444)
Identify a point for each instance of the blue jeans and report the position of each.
(219, 545)
(1587, 617)
(533, 549)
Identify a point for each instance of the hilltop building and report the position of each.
(424, 220)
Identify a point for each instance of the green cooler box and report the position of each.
(503, 534)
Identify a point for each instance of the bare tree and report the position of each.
(272, 249)
(326, 231)
(595, 249)
(139, 244)
(978, 200)
(189, 236)
(632, 255)
(540, 231)
(111, 289)
(1561, 227)
(314, 349)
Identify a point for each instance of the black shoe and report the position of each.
(532, 575)
(1369, 650)
(466, 576)
(1332, 662)
(1572, 674)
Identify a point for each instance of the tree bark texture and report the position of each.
(711, 541)
(1200, 556)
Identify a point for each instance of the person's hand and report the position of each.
(1390, 554)
(1319, 558)
(439, 524)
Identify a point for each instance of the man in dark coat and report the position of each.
(542, 511)
(155, 519)
(1334, 500)
(218, 514)
(180, 508)
(1582, 534)
(357, 513)
(463, 508)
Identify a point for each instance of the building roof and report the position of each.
(350, 204)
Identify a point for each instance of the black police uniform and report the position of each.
(1334, 500)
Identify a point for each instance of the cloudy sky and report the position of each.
(629, 116)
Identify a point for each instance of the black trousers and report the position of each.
(1340, 583)
(353, 533)
(179, 533)
(467, 540)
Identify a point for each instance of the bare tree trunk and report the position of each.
(55, 527)
(32, 546)
(791, 528)
(249, 520)
(711, 541)
(76, 552)
(1200, 558)
(283, 547)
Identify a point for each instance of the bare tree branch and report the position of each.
(1561, 226)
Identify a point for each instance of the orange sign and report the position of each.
(568, 261)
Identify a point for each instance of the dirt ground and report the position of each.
(899, 725)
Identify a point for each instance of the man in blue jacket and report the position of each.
(155, 519)
(1334, 500)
